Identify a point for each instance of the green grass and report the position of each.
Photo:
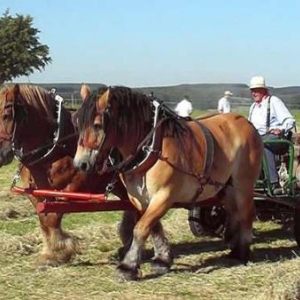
(75, 220)
(7, 174)
(18, 227)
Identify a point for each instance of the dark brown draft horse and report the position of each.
(39, 131)
(168, 159)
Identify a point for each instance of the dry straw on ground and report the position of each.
(201, 268)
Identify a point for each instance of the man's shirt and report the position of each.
(224, 105)
(280, 117)
(184, 108)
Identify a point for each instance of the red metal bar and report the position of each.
(82, 206)
(72, 202)
(60, 194)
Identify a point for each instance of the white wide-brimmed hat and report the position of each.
(228, 93)
(257, 82)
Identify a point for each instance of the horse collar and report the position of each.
(147, 151)
(46, 150)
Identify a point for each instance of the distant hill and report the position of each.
(203, 96)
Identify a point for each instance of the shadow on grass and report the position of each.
(219, 257)
(264, 254)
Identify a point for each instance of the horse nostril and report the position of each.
(84, 166)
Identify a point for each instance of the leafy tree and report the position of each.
(21, 53)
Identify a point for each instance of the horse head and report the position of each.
(91, 122)
(112, 118)
(9, 101)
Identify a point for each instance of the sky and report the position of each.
(147, 43)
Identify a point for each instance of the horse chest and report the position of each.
(136, 186)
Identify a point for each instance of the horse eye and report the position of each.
(97, 127)
(7, 117)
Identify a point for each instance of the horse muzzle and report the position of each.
(6, 156)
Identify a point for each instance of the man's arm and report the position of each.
(284, 117)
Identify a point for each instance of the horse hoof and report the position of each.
(124, 274)
(241, 255)
(121, 253)
(160, 267)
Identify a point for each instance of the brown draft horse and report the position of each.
(39, 132)
(168, 159)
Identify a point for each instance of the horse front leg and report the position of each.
(162, 260)
(129, 268)
(125, 230)
(59, 247)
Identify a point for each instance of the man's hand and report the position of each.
(275, 131)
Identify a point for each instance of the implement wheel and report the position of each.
(297, 225)
(207, 220)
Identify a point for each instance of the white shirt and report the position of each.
(280, 117)
(224, 105)
(184, 108)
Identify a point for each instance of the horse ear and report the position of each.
(16, 90)
(84, 91)
(97, 120)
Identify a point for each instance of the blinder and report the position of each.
(13, 111)
(8, 111)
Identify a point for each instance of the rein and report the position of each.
(20, 156)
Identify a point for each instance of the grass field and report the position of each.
(201, 268)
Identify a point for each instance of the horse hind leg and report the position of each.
(240, 215)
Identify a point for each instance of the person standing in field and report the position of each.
(184, 108)
(224, 103)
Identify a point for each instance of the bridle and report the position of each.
(9, 112)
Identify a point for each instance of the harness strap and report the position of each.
(209, 148)
(122, 166)
(50, 147)
(4, 136)
(203, 178)
(268, 114)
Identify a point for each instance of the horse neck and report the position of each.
(34, 130)
(37, 130)
(130, 142)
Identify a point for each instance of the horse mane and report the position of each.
(135, 109)
(37, 97)
(131, 107)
